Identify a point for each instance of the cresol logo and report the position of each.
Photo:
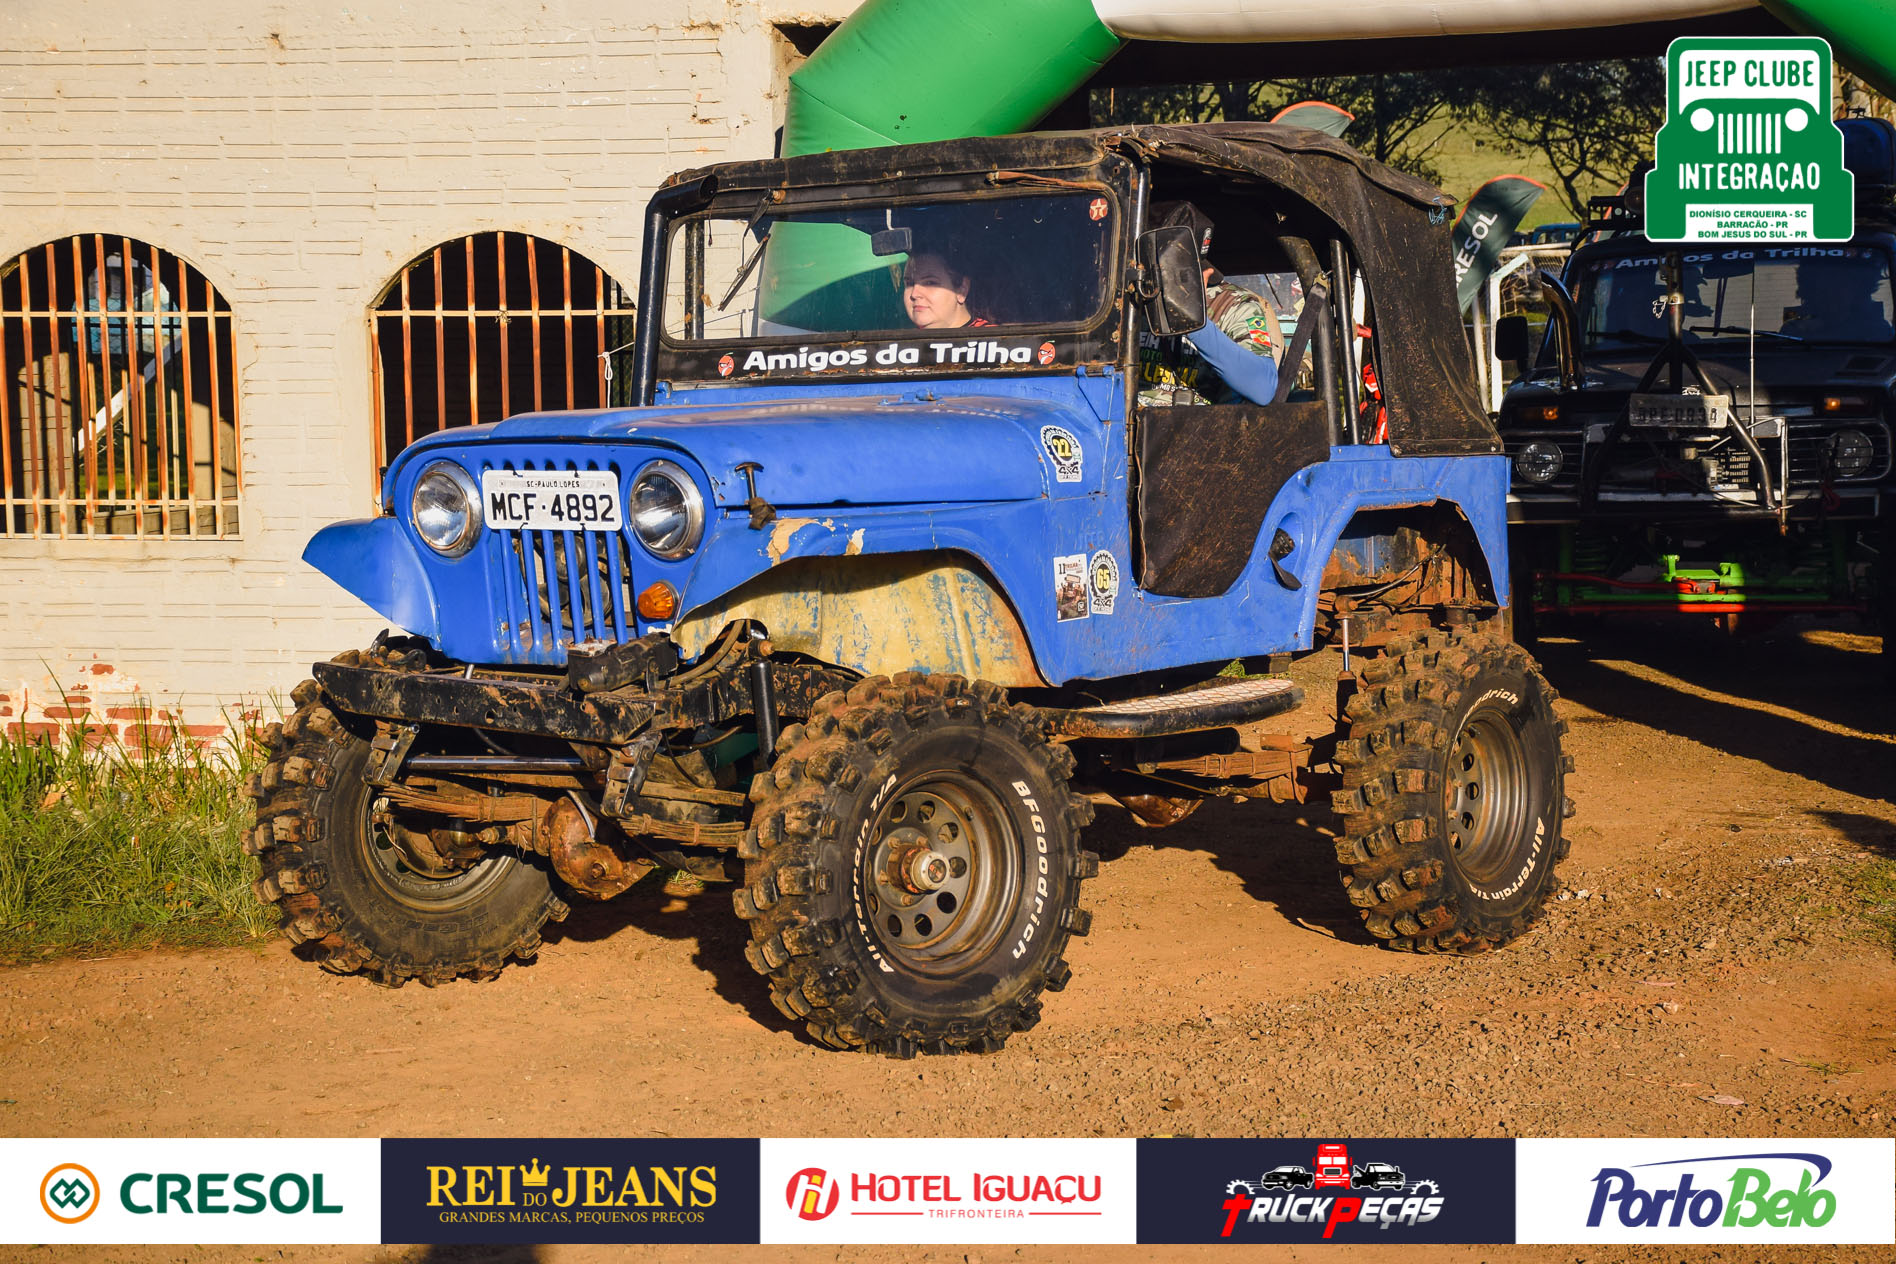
(1747, 1200)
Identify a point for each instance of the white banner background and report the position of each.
(1554, 1188)
(938, 1211)
(351, 1173)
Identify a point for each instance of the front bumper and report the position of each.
(1529, 509)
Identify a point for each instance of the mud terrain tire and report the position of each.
(888, 799)
(351, 900)
(1454, 791)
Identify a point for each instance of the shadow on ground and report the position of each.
(1824, 686)
(705, 918)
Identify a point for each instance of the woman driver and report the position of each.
(936, 295)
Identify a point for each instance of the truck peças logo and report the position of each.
(573, 1193)
(1392, 1198)
(1747, 1201)
(1748, 151)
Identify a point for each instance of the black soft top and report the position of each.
(1397, 225)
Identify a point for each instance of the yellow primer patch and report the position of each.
(781, 533)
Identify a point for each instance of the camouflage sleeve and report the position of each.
(1243, 318)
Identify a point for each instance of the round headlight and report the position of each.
(1539, 461)
(446, 509)
(1851, 453)
(667, 511)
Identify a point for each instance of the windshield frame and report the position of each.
(1092, 339)
(1586, 269)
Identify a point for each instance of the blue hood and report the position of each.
(816, 453)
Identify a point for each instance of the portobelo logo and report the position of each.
(69, 1193)
(1377, 1193)
(1748, 150)
(534, 1193)
(1747, 1201)
(812, 1194)
(1064, 451)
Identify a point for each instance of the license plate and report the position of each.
(1681, 412)
(552, 500)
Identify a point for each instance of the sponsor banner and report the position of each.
(1022, 1191)
(452, 1190)
(1326, 1190)
(97, 1190)
(1746, 1190)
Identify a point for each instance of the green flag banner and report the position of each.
(1331, 120)
(1485, 225)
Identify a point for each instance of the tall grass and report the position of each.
(123, 846)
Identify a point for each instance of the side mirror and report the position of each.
(1171, 280)
(1511, 339)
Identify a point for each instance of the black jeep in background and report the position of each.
(1706, 429)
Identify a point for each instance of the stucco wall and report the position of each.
(298, 156)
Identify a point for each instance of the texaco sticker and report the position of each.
(1097, 209)
(1102, 582)
(1069, 587)
(1064, 451)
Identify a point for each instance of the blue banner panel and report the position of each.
(1326, 1190)
(511, 1189)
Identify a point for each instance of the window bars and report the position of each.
(492, 325)
(118, 404)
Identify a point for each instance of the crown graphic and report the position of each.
(534, 1173)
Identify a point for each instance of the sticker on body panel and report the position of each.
(1102, 579)
(1065, 453)
(1069, 588)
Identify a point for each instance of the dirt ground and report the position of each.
(1702, 973)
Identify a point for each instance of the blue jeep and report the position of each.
(867, 617)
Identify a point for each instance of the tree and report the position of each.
(1592, 121)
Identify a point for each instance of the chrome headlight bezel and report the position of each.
(691, 506)
(460, 481)
(1539, 475)
(1860, 443)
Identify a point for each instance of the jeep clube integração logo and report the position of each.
(1748, 151)
(1331, 1193)
(1732, 1190)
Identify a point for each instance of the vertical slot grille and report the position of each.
(562, 587)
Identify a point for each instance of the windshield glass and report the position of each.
(867, 269)
(1827, 294)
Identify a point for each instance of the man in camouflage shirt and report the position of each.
(1171, 370)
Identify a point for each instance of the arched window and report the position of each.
(492, 325)
(118, 394)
